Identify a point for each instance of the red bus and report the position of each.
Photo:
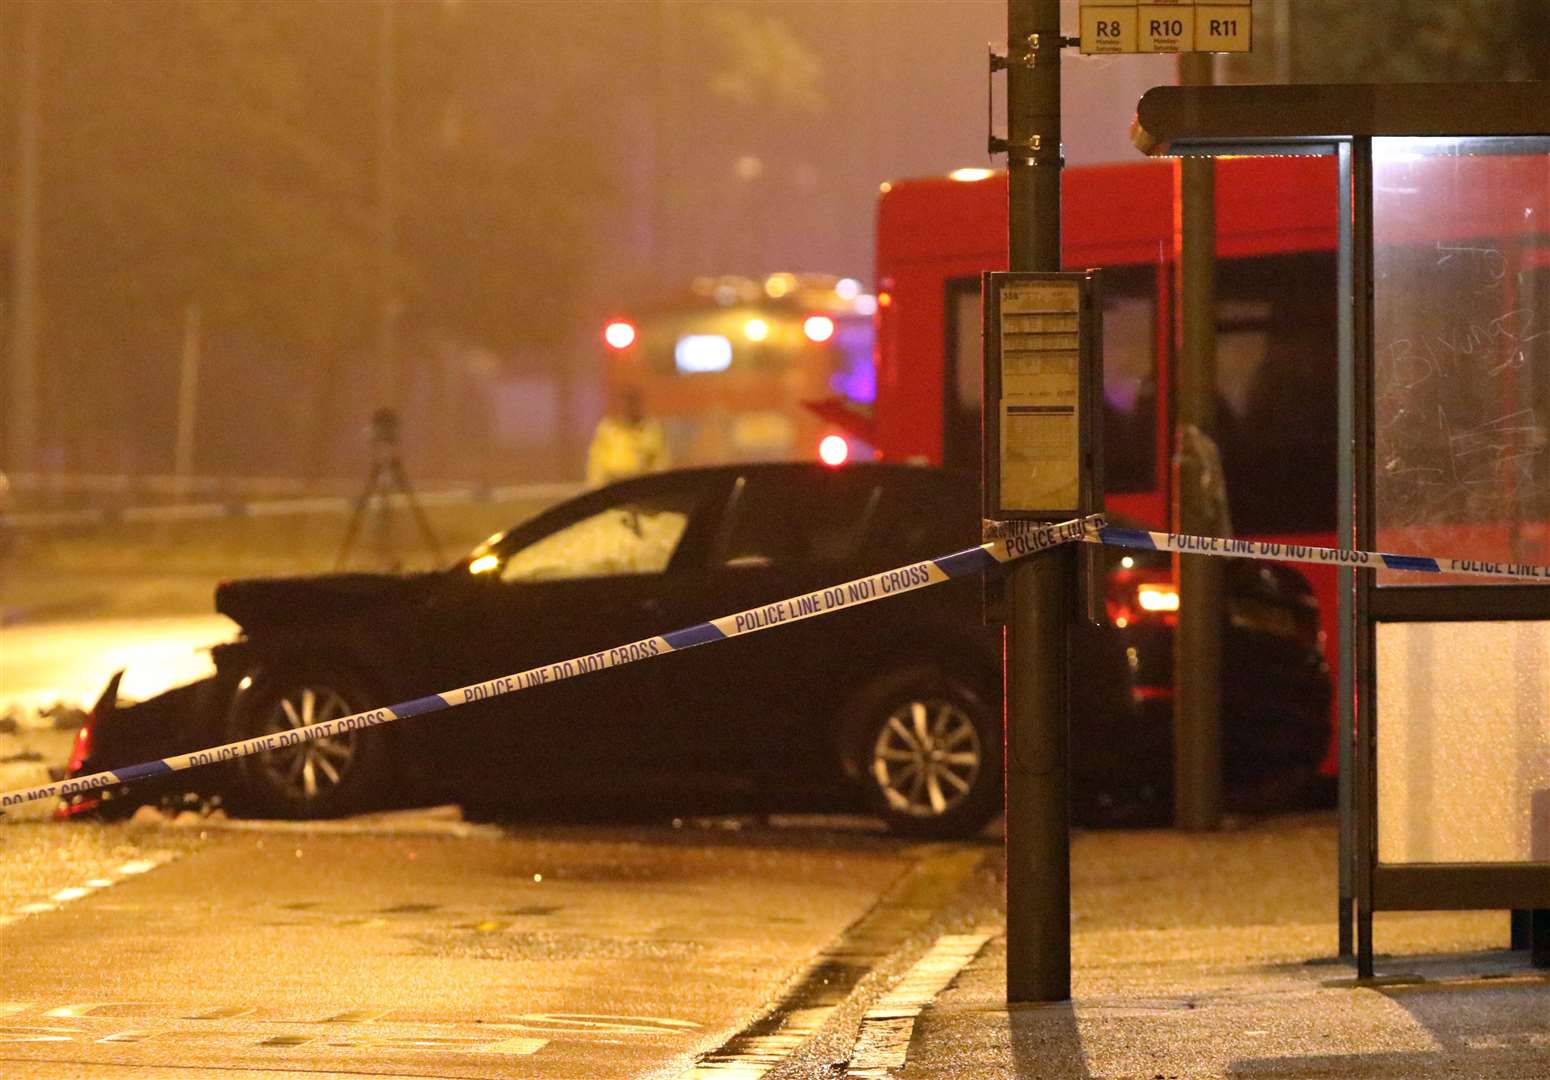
(726, 365)
(1277, 329)
(1276, 296)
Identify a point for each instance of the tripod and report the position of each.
(384, 481)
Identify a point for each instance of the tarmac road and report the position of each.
(414, 945)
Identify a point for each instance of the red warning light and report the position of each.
(833, 450)
(619, 334)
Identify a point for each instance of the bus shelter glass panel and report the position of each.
(1464, 738)
(1461, 270)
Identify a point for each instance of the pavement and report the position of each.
(1212, 955)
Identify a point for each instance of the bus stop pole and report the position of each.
(1041, 591)
(1199, 496)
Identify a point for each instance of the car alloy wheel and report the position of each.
(341, 774)
(308, 770)
(924, 744)
(926, 758)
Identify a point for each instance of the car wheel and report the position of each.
(927, 749)
(341, 774)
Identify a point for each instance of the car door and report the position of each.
(787, 530)
(594, 575)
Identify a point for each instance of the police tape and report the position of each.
(1183, 543)
(850, 594)
(1005, 541)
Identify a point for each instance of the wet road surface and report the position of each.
(445, 950)
(71, 661)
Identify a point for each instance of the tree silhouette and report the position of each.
(1403, 41)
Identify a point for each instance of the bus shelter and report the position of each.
(1444, 416)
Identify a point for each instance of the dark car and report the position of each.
(893, 705)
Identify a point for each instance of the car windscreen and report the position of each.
(633, 532)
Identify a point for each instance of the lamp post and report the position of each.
(22, 421)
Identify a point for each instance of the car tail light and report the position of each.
(1155, 598)
(1141, 596)
(76, 805)
(80, 749)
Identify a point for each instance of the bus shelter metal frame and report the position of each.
(1342, 121)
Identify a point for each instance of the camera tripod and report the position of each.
(384, 482)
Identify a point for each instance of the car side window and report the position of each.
(925, 515)
(779, 519)
(632, 536)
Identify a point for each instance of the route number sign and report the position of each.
(1166, 26)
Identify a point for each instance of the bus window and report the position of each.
(963, 397)
(1129, 377)
(1276, 391)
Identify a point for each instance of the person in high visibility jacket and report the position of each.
(626, 443)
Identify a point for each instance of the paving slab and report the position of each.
(1211, 955)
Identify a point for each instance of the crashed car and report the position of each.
(894, 706)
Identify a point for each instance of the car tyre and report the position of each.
(317, 779)
(926, 747)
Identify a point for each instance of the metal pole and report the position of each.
(1364, 642)
(1042, 590)
(1283, 39)
(387, 313)
(188, 398)
(1197, 728)
(22, 423)
(1346, 530)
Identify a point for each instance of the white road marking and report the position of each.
(883, 1042)
(130, 1036)
(361, 1030)
(355, 1016)
(519, 1046)
(224, 1012)
(599, 1024)
(133, 868)
(94, 1008)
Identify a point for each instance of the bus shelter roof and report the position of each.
(1173, 120)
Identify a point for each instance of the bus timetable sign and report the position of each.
(1166, 26)
(1041, 348)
